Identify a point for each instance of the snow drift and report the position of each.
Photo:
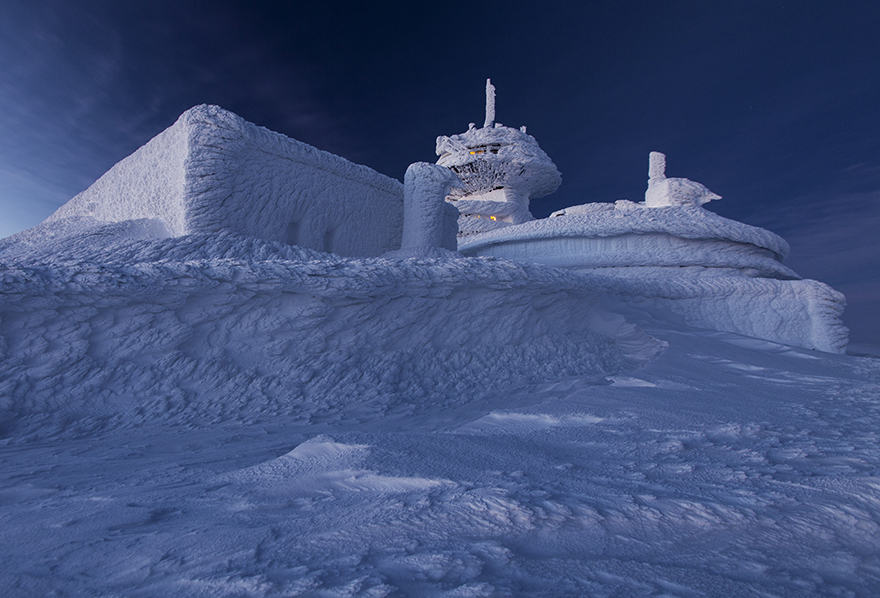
(99, 323)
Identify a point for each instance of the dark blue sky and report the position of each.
(773, 105)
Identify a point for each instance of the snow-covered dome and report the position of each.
(626, 238)
(501, 170)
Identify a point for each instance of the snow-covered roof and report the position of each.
(625, 217)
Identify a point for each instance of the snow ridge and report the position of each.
(181, 336)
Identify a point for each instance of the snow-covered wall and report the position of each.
(150, 183)
(802, 313)
(213, 171)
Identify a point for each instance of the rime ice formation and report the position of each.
(501, 170)
(664, 192)
(213, 171)
(672, 252)
(490, 105)
(620, 237)
(428, 220)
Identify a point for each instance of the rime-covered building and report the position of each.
(501, 170)
(213, 171)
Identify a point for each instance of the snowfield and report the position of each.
(217, 415)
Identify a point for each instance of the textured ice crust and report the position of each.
(205, 326)
(634, 250)
(214, 171)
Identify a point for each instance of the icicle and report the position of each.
(490, 104)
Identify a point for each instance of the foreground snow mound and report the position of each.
(727, 466)
(104, 326)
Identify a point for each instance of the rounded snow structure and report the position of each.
(501, 170)
(714, 272)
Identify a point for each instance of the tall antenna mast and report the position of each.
(490, 104)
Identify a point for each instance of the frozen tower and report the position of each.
(501, 169)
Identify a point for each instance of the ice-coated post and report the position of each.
(490, 104)
(428, 220)
(656, 166)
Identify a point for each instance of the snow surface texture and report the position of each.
(206, 326)
(663, 192)
(706, 268)
(213, 171)
(727, 466)
(428, 221)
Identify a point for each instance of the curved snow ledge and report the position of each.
(802, 313)
(211, 171)
(189, 337)
(626, 217)
(640, 250)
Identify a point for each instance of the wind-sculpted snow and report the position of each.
(155, 328)
(728, 466)
(803, 313)
(665, 255)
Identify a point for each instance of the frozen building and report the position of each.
(671, 252)
(212, 171)
(501, 170)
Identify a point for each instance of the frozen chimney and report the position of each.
(656, 166)
(490, 104)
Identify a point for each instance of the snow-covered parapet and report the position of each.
(428, 220)
(213, 171)
(664, 192)
(802, 313)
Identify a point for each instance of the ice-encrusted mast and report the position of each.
(501, 168)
